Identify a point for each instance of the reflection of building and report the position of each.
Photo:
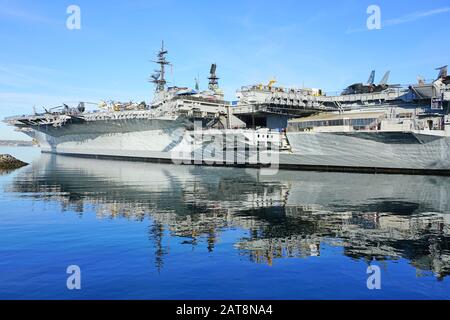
(424, 239)
(291, 214)
(267, 249)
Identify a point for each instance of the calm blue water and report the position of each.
(149, 231)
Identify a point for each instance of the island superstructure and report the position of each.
(368, 127)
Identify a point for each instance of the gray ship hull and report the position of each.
(160, 140)
(369, 152)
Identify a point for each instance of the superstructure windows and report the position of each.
(361, 122)
(357, 123)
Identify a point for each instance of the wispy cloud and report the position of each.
(25, 15)
(22, 86)
(415, 16)
(411, 17)
(27, 77)
(21, 76)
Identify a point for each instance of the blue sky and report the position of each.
(301, 43)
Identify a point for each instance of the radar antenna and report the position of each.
(158, 78)
(213, 79)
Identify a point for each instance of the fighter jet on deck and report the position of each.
(370, 87)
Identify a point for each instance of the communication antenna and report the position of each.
(197, 83)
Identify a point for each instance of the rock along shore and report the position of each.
(9, 162)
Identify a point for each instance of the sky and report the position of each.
(320, 44)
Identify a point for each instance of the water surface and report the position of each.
(153, 231)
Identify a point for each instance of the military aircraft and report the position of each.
(370, 87)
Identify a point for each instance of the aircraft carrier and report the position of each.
(368, 127)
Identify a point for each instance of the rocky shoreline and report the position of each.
(8, 162)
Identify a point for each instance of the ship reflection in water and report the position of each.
(289, 215)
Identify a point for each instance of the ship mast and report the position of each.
(158, 78)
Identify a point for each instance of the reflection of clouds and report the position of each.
(292, 214)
